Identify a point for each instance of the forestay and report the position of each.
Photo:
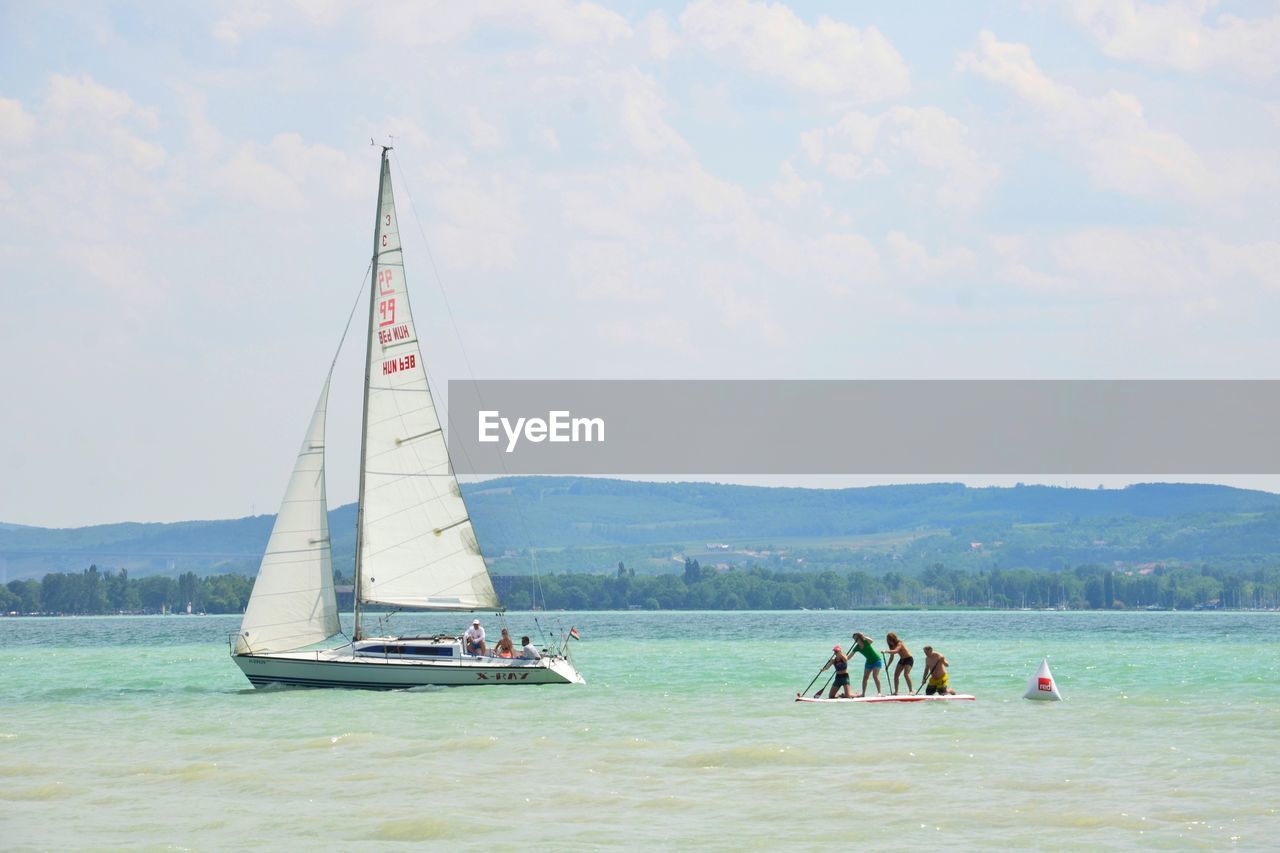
(293, 602)
(417, 546)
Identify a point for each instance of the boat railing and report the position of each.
(233, 639)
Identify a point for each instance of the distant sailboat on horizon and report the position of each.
(415, 546)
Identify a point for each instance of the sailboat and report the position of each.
(415, 546)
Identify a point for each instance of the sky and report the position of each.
(712, 189)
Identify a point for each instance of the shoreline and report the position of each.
(874, 609)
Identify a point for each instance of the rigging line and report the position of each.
(365, 277)
(471, 375)
(347, 328)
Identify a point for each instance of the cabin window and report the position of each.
(411, 651)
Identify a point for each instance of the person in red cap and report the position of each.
(841, 663)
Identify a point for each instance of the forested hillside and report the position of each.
(589, 525)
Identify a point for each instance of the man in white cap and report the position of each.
(474, 639)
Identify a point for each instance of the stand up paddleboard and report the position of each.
(955, 697)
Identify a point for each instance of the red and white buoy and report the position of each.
(1042, 687)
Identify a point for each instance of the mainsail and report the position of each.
(293, 602)
(416, 545)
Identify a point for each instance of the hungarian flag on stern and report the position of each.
(573, 632)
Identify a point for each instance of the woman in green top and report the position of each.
(863, 645)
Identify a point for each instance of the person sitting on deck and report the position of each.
(473, 639)
(504, 649)
(527, 651)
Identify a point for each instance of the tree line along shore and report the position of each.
(97, 591)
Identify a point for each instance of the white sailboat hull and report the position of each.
(341, 668)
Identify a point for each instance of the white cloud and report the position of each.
(122, 269)
(246, 18)
(1120, 150)
(914, 260)
(562, 22)
(566, 22)
(793, 190)
(660, 334)
(74, 99)
(592, 213)
(1258, 261)
(739, 310)
(547, 138)
(640, 115)
(1018, 263)
(287, 174)
(845, 150)
(1180, 34)
(480, 222)
(662, 40)
(1152, 266)
(16, 124)
(484, 133)
(829, 58)
(204, 141)
(607, 270)
(840, 261)
(1118, 262)
(899, 142)
(82, 106)
(94, 193)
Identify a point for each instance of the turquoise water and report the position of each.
(140, 732)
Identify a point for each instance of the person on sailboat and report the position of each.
(504, 649)
(905, 661)
(474, 639)
(841, 663)
(862, 644)
(935, 673)
(527, 651)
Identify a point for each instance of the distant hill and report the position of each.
(578, 524)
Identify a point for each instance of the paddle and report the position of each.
(819, 675)
(928, 672)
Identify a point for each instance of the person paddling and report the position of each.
(905, 661)
(862, 645)
(935, 673)
(841, 663)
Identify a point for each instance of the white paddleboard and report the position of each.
(901, 697)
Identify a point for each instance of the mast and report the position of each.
(364, 419)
